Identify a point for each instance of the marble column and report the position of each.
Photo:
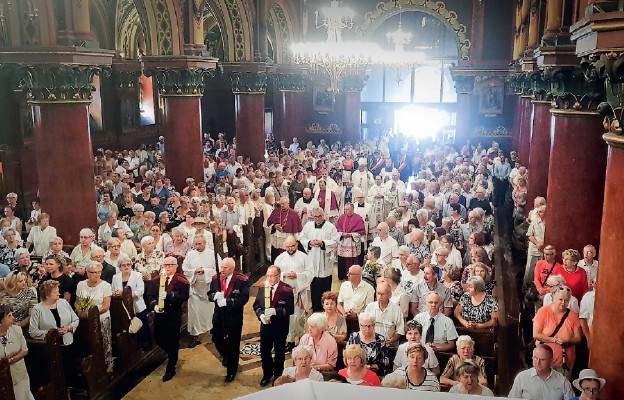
(180, 83)
(554, 19)
(249, 85)
(576, 178)
(607, 342)
(289, 110)
(539, 150)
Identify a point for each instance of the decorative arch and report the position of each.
(232, 17)
(384, 10)
(165, 38)
(128, 26)
(281, 35)
(100, 24)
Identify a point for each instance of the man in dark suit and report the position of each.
(169, 319)
(230, 291)
(108, 271)
(274, 305)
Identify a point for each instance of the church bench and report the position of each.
(125, 344)
(90, 347)
(44, 363)
(485, 339)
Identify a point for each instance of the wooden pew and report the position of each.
(6, 382)
(485, 339)
(44, 363)
(90, 346)
(125, 344)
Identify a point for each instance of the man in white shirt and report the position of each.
(589, 263)
(362, 178)
(354, 294)
(438, 330)
(430, 284)
(199, 268)
(542, 381)
(412, 276)
(535, 233)
(586, 313)
(389, 247)
(105, 231)
(297, 271)
(389, 321)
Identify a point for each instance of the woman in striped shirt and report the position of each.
(416, 377)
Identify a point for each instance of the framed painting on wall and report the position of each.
(322, 101)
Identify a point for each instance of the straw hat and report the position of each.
(588, 374)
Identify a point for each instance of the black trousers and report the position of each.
(500, 190)
(344, 263)
(272, 367)
(317, 288)
(227, 341)
(168, 337)
(275, 252)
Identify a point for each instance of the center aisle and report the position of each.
(199, 372)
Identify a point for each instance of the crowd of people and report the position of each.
(409, 230)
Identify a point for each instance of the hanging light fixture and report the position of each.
(400, 58)
(335, 57)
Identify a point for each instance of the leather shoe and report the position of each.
(229, 378)
(195, 343)
(265, 381)
(168, 376)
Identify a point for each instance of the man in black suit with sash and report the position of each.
(230, 291)
(169, 320)
(274, 305)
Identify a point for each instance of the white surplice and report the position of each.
(300, 205)
(322, 259)
(200, 310)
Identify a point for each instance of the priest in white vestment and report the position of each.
(362, 178)
(297, 271)
(319, 239)
(305, 204)
(199, 268)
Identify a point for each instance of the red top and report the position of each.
(577, 281)
(370, 378)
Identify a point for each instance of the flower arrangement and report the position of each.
(83, 304)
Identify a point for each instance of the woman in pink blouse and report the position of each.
(321, 342)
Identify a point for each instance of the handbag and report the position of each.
(135, 322)
(532, 294)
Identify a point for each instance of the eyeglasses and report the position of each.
(591, 390)
(94, 272)
(549, 254)
(367, 326)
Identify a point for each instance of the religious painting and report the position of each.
(323, 101)
(492, 95)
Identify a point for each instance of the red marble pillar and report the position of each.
(539, 151)
(607, 357)
(515, 130)
(249, 122)
(526, 122)
(576, 177)
(181, 121)
(352, 117)
(289, 116)
(65, 166)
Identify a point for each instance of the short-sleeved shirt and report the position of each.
(389, 321)
(429, 384)
(453, 362)
(528, 385)
(97, 294)
(325, 351)
(536, 229)
(577, 280)
(420, 291)
(480, 313)
(591, 270)
(459, 387)
(400, 359)
(587, 307)
(355, 299)
(443, 327)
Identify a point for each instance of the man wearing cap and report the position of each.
(541, 381)
(362, 178)
(200, 224)
(198, 267)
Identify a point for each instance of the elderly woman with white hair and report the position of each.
(136, 221)
(113, 252)
(373, 344)
(468, 375)
(302, 369)
(563, 340)
(465, 351)
(401, 262)
(178, 246)
(425, 224)
(55, 248)
(417, 245)
(8, 249)
(325, 349)
(127, 277)
(476, 308)
(81, 254)
(554, 283)
(96, 292)
(127, 246)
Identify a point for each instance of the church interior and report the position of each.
(542, 78)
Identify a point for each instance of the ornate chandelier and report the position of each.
(335, 57)
(400, 58)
